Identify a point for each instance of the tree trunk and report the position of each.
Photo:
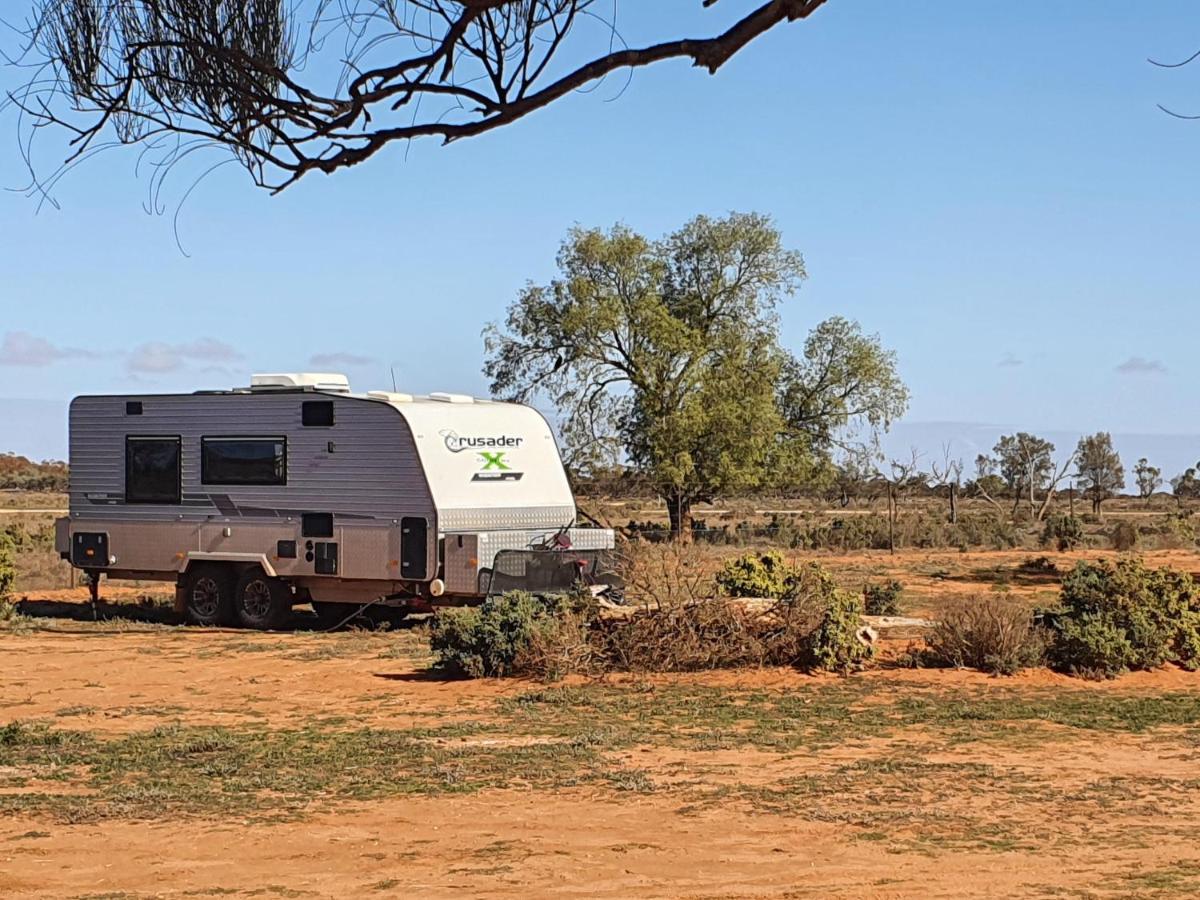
(679, 509)
(953, 503)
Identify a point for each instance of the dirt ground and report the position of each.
(150, 760)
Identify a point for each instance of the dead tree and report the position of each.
(1052, 489)
(291, 87)
(949, 475)
(901, 477)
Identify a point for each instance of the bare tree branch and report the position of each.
(254, 76)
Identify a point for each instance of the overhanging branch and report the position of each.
(243, 75)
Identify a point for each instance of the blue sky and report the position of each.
(987, 185)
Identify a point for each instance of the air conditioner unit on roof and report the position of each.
(320, 381)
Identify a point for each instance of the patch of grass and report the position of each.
(1180, 878)
(556, 738)
(181, 771)
(68, 711)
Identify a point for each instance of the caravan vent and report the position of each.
(443, 397)
(390, 396)
(320, 381)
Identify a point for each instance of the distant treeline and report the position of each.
(19, 473)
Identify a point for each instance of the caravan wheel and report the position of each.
(208, 596)
(261, 602)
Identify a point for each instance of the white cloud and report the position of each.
(157, 357)
(340, 359)
(1139, 365)
(20, 348)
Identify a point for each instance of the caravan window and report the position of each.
(152, 469)
(240, 460)
(316, 413)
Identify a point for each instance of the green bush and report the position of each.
(8, 570)
(758, 575)
(993, 634)
(835, 645)
(1176, 530)
(8, 574)
(1125, 616)
(1063, 532)
(490, 639)
(882, 599)
(1124, 536)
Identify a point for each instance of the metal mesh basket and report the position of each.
(550, 571)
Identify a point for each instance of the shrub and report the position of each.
(836, 644)
(8, 574)
(1125, 616)
(490, 639)
(882, 599)
(1063, 532)
(8, 571)
(757, 575)
(1176, 530)
(1124, 536)
(1037, 566)
(993, 634)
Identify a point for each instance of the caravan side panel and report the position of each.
(364, 470)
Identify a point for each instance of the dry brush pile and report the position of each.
(761, 610)
(677, 621)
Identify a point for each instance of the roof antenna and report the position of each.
(393, 368)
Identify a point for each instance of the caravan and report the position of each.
(297, 490)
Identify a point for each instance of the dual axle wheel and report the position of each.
(216, 595)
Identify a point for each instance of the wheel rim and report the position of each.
(206, 597)
(256, 599)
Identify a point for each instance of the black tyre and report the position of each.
(260, 601)
(208, 596)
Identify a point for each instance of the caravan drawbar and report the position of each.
(295, 489)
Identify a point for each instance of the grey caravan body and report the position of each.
(345, 497)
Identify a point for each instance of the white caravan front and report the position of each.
(498, 484)
(489, 465)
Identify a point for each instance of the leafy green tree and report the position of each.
(1148, 477)
(1098, 468)
(844, 390)
(664, 355)
(1186, 486)
(1025, 464)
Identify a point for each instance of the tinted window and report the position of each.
(238, 460)
(316, 412)
(151, 470)
(316, 525)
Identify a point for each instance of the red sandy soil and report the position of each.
(570, 843)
